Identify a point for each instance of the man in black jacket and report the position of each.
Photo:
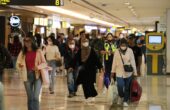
(5, 59)
(137, 52)
(70, 53)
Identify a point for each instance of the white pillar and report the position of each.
(168, 41)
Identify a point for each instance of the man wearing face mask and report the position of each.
(71, 73)
(88, 62)
(97, 45)
(108, 52)
(141, 43)
(137, 52)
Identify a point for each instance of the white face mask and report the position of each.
(72, 46)
(86, 44)
(123, 48)
(99, 37)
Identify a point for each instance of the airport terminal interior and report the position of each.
(85, 55)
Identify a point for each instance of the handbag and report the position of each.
(45, 77)
(127, 68)
(100, 82)
(58, 61)
(106, 80)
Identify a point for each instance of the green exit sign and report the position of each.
(33, 2)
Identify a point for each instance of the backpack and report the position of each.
(135, 91)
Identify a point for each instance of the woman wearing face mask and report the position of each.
(71, 74)
(123, 56)
(52, 54)
(28, 62)
(88, 62)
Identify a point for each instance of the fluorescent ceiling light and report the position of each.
(74, 14)
(118, 26)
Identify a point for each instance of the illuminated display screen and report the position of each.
(155, 39)
(33, 2)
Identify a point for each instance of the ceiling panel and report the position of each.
(143, 8)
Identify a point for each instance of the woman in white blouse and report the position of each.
(52, 55)
(123, 56)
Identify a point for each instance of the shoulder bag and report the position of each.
(127, 68)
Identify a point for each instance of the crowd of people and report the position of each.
(83, 56)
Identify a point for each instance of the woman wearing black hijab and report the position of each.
(88, 62)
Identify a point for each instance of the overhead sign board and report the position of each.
(33, 2)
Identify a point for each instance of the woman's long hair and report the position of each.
(33, 45)
(52, 39)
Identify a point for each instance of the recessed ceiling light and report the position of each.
(127, 3)
(132, 10)
(130, 7)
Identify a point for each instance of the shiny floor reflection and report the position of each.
(155, 96)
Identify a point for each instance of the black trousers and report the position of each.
(89, 90)
(1, 75)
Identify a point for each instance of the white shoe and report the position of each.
(88, 101)
(104, 91)
(92, 99)
(125, 104)
(85, 101)
(120, 101)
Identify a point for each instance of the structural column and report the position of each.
(168, 42)
(2, 29)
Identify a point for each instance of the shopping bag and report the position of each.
(45, 77)
(106, 80)
(99, 82)
(112, 92)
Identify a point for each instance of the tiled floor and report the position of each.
(156, 96)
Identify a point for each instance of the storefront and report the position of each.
(40, 26)
(16, 22)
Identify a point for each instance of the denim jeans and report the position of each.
(123, 85)
(52, 63)
(33, 88)
(71, 82)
